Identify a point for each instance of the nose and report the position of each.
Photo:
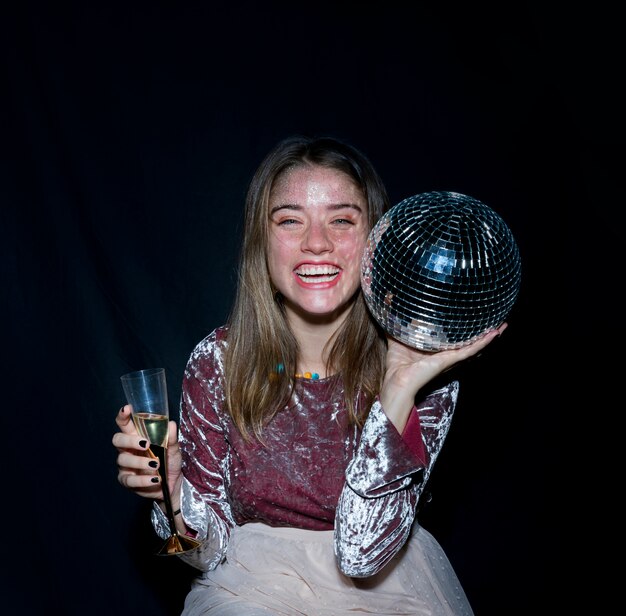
(317, 239)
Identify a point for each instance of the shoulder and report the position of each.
(210, 349)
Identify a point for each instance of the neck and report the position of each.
(314, 334)
(313, 343)
(312, 356)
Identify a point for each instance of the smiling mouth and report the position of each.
(317, 273)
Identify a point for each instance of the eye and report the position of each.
(286, 222)
(343, 221)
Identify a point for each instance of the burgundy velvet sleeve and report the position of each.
(412, 436)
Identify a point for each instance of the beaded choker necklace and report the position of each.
(308, 375)
(280, 368)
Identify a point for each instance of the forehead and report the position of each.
(313, 184)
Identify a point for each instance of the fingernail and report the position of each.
(155, 480)
(143, 443)
(153, 463)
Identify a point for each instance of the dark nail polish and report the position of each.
(155, 480)
(143, 443)
(153, 463)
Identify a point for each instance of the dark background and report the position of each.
(129, 134)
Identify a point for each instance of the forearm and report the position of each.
(397, 405)
(377, 506)
(385, 480)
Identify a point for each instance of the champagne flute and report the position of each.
(146, 392)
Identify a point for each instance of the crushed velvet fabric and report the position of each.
(314, 472)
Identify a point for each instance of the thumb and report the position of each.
(172, 436)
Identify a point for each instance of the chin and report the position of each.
(326, 313)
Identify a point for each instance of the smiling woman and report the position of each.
(303, 491)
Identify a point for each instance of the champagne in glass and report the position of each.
(146, 392)
(153, 427)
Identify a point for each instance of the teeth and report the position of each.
(317, 278)
(317, 270)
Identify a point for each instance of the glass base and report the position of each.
(178, 544)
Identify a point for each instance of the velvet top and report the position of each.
(313, 471)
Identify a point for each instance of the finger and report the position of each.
(394, 344)
(124, 420)
(482, 342)
(128, 460)
(490, 336)
(146, 485)
(478, 345)
(135, 442)
(475, 348)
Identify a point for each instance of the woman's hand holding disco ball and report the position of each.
(409, 369)
(440, 274)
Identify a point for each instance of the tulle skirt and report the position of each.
(289, 571)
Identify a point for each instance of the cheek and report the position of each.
(278, 252)
(281, 243)
(353, 249)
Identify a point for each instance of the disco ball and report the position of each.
(439, 270)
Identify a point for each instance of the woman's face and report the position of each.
(318, 230)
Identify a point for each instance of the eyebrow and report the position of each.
(333, 206)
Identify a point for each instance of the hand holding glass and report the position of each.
(146, 392)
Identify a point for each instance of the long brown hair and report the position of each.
(259, 337)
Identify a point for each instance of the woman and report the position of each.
(306, 435)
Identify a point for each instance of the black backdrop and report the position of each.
(130, 132)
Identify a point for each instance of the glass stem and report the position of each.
(161, 454)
